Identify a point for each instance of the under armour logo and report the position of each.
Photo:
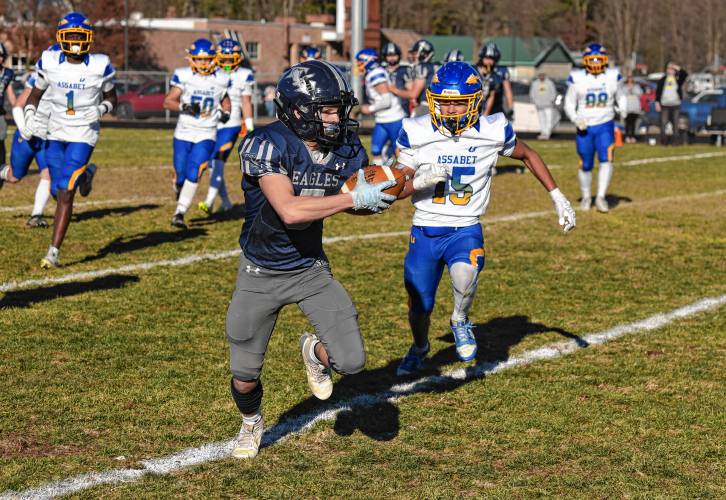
(83, 79)
(256, 270)
(472, 149)
(339, 166)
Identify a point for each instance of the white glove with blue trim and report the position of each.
(565, 213)
(428, 175)
(371, 196)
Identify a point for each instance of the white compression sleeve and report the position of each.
(186, 196)
(464, 280)
(603, 178)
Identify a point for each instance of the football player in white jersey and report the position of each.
(79, 87)
(382, 103)
(242, 80)
(26, 148)
(590, 104)
(452, 151)
(199, 93)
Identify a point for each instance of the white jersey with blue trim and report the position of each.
(592, 97)
(392, 113)
(74, 92)
(42, 114)
(468, 158)
(206, 90)
(242, 81)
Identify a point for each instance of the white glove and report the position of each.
(565, 213)
(27, 130)
(581, 124)
(96, 112)
(249, 124)
(371, 196)
(429, 175)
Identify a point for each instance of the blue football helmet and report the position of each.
(309, 54)
(201, 56)
(229, 54)
(453, 55)
(595, 58)
(304, 90)
(365, 61)
(457, 82)
(75, 34)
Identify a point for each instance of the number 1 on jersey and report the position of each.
(70, 110)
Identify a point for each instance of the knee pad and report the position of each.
(463, 277)
(250, 402)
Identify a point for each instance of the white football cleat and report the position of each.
(318, 376)
(50, 260)
(586, 203)
(602, 205)
(248, 440)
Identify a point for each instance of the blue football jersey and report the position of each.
(275, 149)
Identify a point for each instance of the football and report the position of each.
(373, 175)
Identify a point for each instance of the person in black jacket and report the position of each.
(668, 97)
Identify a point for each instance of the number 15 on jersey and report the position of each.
(459, 192)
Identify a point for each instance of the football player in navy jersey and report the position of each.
(293, 170)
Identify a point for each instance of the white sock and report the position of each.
(603, 178)
(211, 195)
(312, 353)
(53, 252)
(4, 171)
(585, 182)
(42, 195)
(464, 278)
(253, 419)
(188, 190)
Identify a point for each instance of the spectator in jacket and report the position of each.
(543, 93)
(632, 93)
(668, 96)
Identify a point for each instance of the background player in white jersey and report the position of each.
(382, 103)
(229, 58)
(590, 105)
(80, 90)
(26, 148)
(199, 93)
(453, 160)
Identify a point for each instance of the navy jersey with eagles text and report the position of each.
(273, 150)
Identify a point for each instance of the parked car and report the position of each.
(147, 101)
(694, 112)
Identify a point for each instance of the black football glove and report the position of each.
(191, 109)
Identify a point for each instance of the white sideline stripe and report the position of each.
(292, 427)
(11, 286)
(97, 203)
(657, 159)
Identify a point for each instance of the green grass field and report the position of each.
(105, 372)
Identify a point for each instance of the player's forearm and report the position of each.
(508, 94)
(535, 164)
(246, 107)
(172, 104)
(34, 98)
(304, 209)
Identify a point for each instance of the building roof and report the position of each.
(444, 44)
(531, 51)
(402, 38)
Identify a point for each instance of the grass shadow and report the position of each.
(124, 244)
(26, 298)
(363, 401)
(237, 212)
(105, 212)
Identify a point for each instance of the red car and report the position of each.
(145, 102)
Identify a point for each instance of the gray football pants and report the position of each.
(259, 296)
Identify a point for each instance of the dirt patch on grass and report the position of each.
(14, 445)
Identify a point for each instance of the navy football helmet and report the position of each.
(391, 48)
(491, 51)
(301, 94)
(423, 51)
(453, 55)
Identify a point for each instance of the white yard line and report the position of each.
(191, 259)
(98, 203)
(645, 161)
(294, 426)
